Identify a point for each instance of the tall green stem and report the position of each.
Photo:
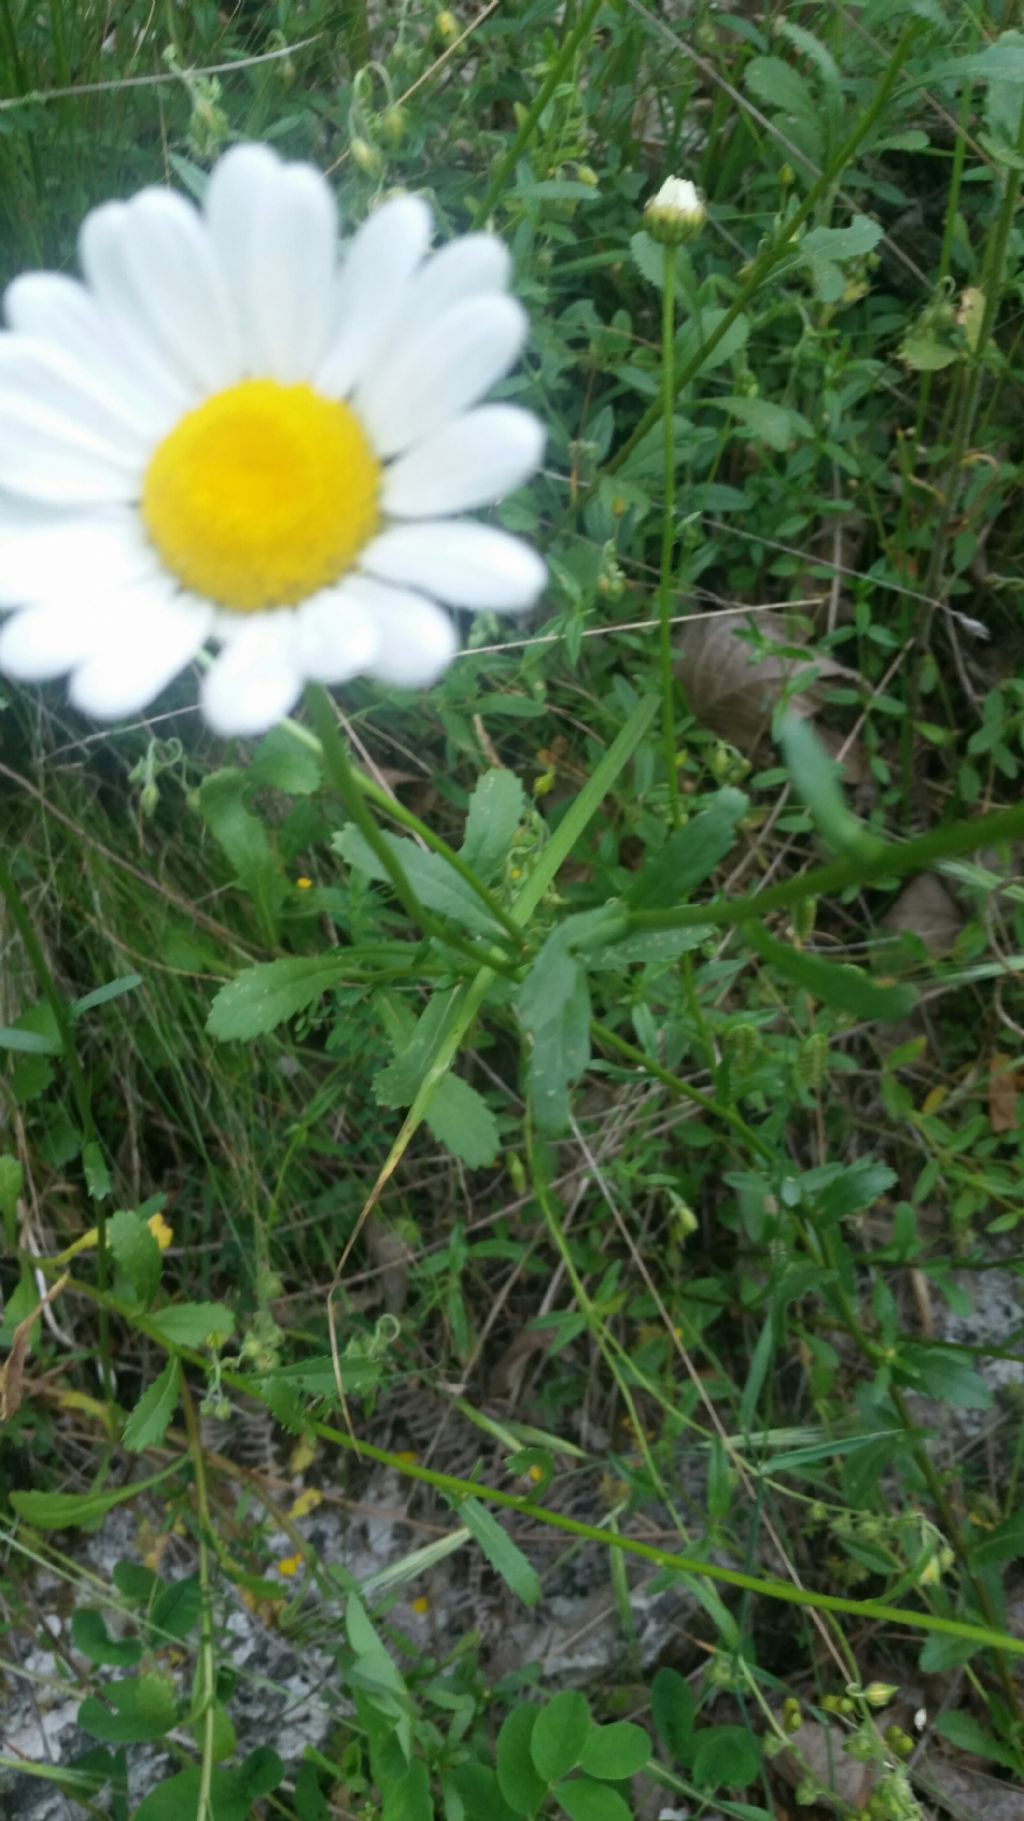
(507, 162)
(668, 718)
(79, 1085)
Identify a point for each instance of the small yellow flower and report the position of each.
(290, 1564)
(162, 1233)
(535, 1473)
(421, 1603)
(408, 1455)
(304, 884)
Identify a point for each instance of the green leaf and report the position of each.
(281, 762)
(243, 838)
(89, 1634)
(94, 1169)
(144, 1708)
(135, 1582)
(559, 1732)
(725, 1757)
(461, 1120)
(518, 1781)
(586, 1801)
(777, 425)
(136, 1254)
(674, 1707)
(496, 809)
(816, 777)
(476, 1787)
(260, 1772)
(69, 1510)
(616, 1752)
(651, 947)
(29, 1043)
(102, 995)
(149, 1419)
(193, 1324)
(696, 331)
(178, 1797)
(852, 242)
(505, 1556)
(771, 80)
(175, 1610)
(407, 1798)
(559, 1054)
(1003, 1544)
(689, 856)
(432, 879)
(945, 1375)
(967, 1734)
(260, 998)
(12, 1178)
(846, 988)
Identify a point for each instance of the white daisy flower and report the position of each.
(231, 431)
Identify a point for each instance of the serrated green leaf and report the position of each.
(1003, 1544)
(89, 1635)
(779, 85)
(149, 1419)
(281, 763)
(698, 330)
(261, 998)
(616, 1751)
(846, 989)
(461, 1120)
(136, 1253)
(496, 809)
(559, 1054)
(505, 1556)
(144, 1709)
(176, 1608)
(435, 883)
(193, 1324)
(767, 422)
(651, 947)
(689, 856)
(243, 839)
(559, 1734)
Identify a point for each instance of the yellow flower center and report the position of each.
(261, 495)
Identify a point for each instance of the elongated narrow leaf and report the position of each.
(495, 812)
(68, 1510)
(151, 1415)
(435, 883)
(261, 998)
(505, 1556)
(846, 989)
(815, 775)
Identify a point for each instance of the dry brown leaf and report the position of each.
(1003, 1087)
(391, 1256)
(929, 911)
(13, 1369)
(731, 688)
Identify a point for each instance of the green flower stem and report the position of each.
(716, 1108)
(342, 776)
(668, 507)
(79, 1085)
(869, 1611)
(406, 819)
(507, 162)
(891, 860)
(780, 245)
(207, 1689)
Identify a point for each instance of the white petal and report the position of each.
(50, 458)
(46, 641)
(61, 312)
(256, 680)
(436, 373)
(179, 287)
(275, 229)
(472, 461)
(35, 374)
(54, 556)
(416, 640)
(468, 267)
(104, 251)
(466, 565)
(335, 638)
(158, 634)
(383, 255)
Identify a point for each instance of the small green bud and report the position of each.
(367, 158)
(879, 1694)
(393, 125)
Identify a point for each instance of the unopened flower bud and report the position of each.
(367, 157)
(676, 214)
(879, 1694)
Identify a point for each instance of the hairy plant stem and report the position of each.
(668, 718)
(79, 1085)
(507, 162)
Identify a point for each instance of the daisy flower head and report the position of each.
(234, 430)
